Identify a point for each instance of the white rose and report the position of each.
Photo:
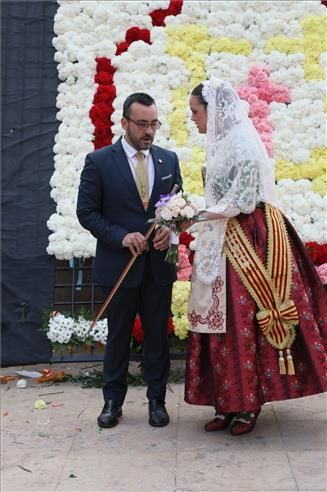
(166, 214)
(189, 212)
(175, 211)
(180, 202)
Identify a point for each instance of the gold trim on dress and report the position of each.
(269, 286)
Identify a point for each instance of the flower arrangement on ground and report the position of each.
(69, 332)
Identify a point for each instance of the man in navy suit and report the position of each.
(111, 207)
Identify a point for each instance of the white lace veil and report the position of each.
(239, 173)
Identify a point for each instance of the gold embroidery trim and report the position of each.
(269, 287)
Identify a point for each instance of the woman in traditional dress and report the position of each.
(257, 309)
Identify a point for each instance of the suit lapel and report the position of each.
(158, 173)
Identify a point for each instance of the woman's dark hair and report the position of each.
(139, 97)
(197, 91)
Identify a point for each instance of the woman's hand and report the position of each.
(212, 216)
(183, 226)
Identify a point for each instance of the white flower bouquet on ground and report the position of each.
(172, 211)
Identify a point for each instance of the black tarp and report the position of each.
(29, 89)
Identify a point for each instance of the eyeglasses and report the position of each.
(143, 125)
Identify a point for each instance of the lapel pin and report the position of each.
(160, 161)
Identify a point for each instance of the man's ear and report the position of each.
(123, 123)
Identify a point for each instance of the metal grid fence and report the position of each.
(73, 290)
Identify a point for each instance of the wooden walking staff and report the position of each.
(124, 273)
(119, 281)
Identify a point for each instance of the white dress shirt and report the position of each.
(131, 157)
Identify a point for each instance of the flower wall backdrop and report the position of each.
(272, 52)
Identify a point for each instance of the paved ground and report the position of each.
(60, 447)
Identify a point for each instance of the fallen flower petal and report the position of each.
(40, 404)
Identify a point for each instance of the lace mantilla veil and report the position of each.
(239, 173)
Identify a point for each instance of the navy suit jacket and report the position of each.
(109, 206)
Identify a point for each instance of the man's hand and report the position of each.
(136, 242)
(161, 239)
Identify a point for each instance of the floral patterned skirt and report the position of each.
(238, 370)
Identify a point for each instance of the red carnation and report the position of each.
(158, 17)
(175, 7)
(171, 326)
(101, 132)
(137, 34)
(103, 94)
(185, 238)
(132, 34)
(317, 252)
(112, 92)
(144, 35)
(138, 333)
(104, 65)
(102, 109)
(103, 78)
(100, 112)
(122, 47)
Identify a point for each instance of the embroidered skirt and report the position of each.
(238, 370)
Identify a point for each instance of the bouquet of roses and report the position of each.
(172, 211)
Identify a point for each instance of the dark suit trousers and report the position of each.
(152, 302)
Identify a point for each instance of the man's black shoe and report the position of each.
(158, 416)
(109, 415)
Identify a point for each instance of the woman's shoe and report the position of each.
(244, 423)
(220, 422)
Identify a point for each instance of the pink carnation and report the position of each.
(259, 109)
(184, 267)
(259, 93)
(264, 92)
(266, 139)
(280, 94)
(322, 271)
(263, 126)
(248, 93)
(184, 274)
(258, 76)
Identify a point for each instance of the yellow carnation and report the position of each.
(319, 185)
(315, 167)
(181, 327)
(181, 292)
(237, 47)
(284, 45)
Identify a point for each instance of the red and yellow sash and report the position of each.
(270, 286)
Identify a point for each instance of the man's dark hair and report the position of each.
(197, 91)
(137, 97)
